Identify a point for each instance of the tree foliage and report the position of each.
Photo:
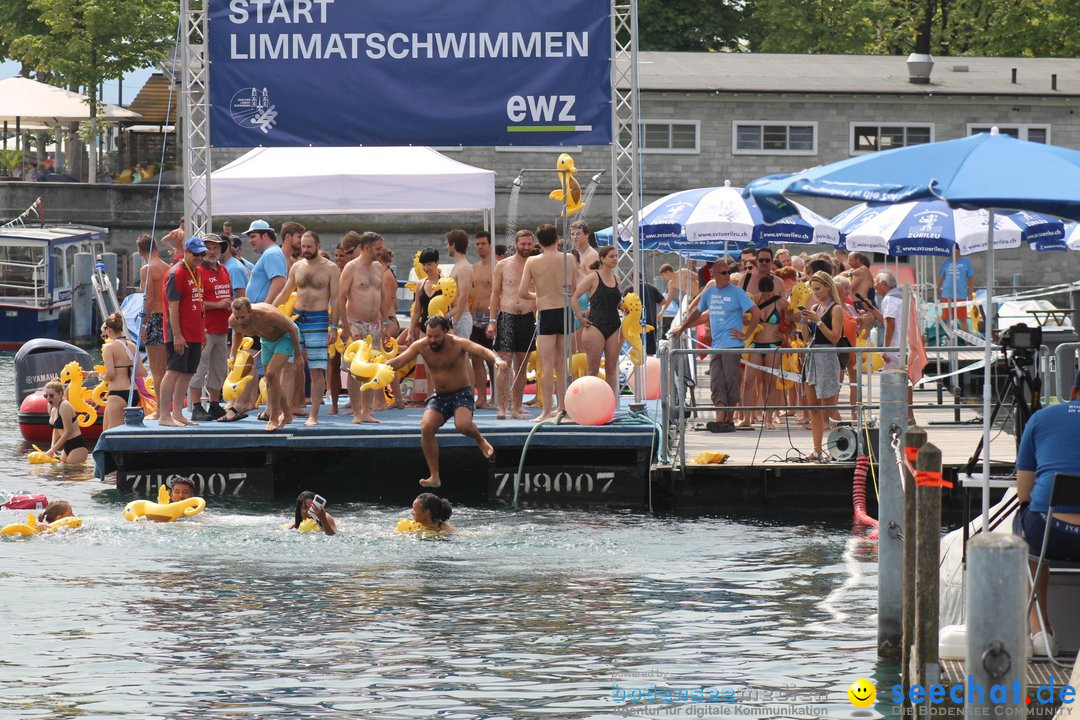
(689, 25)
(1009, 28)
(85, 42)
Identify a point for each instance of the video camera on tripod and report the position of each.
(1022, 341)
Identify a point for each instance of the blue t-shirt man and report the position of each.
(238, 274)
(271, 265)
(955, 287)
(726, 307)
(1048, 446)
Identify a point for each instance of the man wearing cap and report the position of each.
(214, 363)
(269, 274)
(185, 332)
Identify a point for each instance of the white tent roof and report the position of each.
(348, 180)
(37, 102)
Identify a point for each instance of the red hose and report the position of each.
(858, 496)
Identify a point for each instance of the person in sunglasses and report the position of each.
(185, 332)
(67, 439)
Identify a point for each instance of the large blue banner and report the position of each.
(409, 72)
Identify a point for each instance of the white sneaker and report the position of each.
(1043, 644)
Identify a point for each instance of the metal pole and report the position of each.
(914, 439)
(987, 370)
(890, 513)
(665, 389)
(996, 626)
(82, 302)
(927, 554)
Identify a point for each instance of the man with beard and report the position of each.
(315, 280)
(480, 303)
(512, 325)
(291, 232)
(446, 357)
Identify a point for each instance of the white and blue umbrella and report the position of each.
(703, 221)
(931, 227)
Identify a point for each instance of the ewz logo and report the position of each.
(976, 693)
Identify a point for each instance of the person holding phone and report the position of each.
(310, 505)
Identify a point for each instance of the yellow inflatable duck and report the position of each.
(877, 363)
(405, 525)
(38, 457)
(309, 525)
(418, 269)
(359, 357)
(570, 191)
(440, 304)
(163, 510)
(789, 363)
(632, 330)
(72, 378)
(800, 296)
(241, 369)
(337, 347)
(288, 306)
(33, 527)
(711, 457)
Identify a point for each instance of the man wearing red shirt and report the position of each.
(185, 332)
(214, 363)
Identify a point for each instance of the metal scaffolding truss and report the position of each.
(625, 194)
(195, 116)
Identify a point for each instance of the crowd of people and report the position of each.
(756, 304)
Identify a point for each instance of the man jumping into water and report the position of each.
(446, 357)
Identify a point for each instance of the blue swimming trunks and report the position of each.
(282, 346)
(446, 404)
(313, 326)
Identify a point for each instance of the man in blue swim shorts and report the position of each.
(280, 344)
(315, 281)
(447, 360)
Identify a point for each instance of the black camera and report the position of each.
(1021, 337)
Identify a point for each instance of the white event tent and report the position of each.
(25, 100)
(301, 181)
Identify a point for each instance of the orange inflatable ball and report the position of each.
(652, 377)
(590, 401)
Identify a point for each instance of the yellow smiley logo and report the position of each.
(861, 693)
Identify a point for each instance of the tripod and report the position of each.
(1022, 385)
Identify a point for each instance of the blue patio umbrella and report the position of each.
(931, 227)
(703, 222)
(985, 171)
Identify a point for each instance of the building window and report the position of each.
(550, 149)
(1031, 133)
(871, 138)
(671, 137)
(774, 138)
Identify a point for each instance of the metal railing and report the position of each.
(36, 288)
(673, 386)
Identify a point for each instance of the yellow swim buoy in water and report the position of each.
(309, 525)
(33, 527)
(408, 525)
(163, 510)
(38, 457)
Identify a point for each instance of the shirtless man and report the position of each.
(291, 233)
(862, 280)
(457, 244)
(479, 304)
(363, 302)
(680, 283)
(280, 344)
(586, 253)
(511, 324)
(545, 280)
(151, 276)
(448, 370)
(315, 281)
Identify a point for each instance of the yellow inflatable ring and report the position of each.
(405, 525)
(309, 525)
(162, 510)
(32, 527)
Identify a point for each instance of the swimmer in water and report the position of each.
(432, 512)
(304, 503)
(56, 510)
(182, 489)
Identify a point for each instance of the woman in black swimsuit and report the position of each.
(602, 336)
(425, 290)
(760, 385)
(119, 356)
(67, 439)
